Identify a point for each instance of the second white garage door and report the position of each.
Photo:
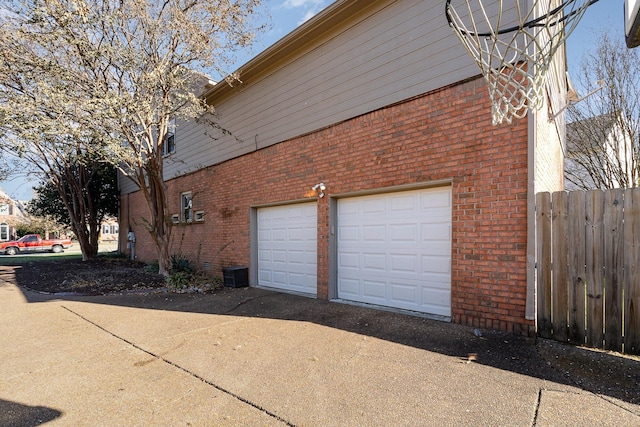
(287, 247)
(394, 250)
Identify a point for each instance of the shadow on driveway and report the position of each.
(606, 374)
(19, 415)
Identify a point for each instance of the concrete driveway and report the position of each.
(258, 358)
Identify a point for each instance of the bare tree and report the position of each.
(603, 147)
(112, 77)
(80, 195)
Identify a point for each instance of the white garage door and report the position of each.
(287, 247)
(394, 250)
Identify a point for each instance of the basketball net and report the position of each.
(513, 42)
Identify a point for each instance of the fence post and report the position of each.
(632, 271)
(543, 263)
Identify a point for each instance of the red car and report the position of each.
(34, 243)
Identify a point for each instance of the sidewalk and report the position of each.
(258, 358)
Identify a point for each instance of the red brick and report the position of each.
(443, 135)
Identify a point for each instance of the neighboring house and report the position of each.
(109, 231)
(599, 155)
(425, 206)
(11, 213)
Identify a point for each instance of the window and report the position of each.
(4, 209)
(186, 204)
(4, 231)
(198, 216)
(169, 145)
(105, 230)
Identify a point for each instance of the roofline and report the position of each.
(315, 31)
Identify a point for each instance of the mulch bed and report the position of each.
(97, 277)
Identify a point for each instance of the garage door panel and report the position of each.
(297, 257)
(431, 233)
(296, 234)
(349, 260)
(393, 248)
(435, 264)
(373, 233)
(373, 206)
(403, 202)
(404, 294)
(264, 255)
(374, 290)
(435, 300)
(349, 287)
(264, 276)
(404, 264)
(349, 234)
(374, 262)
(403, 233)
(280, 278)
(287, 247)
(279, 256)
(279, 235)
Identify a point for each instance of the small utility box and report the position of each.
(236, 276)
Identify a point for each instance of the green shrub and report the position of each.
(152, 267)
(179, 280)
(180, 263)
(185, 282)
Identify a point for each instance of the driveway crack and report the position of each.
(537, 411)
(193, 374)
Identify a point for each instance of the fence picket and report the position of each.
(577, 266)
(613, 269)
(594, 242)
(632, 271)
(559, 286)
(543, 257)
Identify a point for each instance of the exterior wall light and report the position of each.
(319, 188)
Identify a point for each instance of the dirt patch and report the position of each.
(101, 276)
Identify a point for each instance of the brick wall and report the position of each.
(443, 135)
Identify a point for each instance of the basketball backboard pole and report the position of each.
(631, 23)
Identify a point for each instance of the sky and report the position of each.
(283, 16)
(605, 16)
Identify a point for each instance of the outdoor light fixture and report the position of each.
(319, 188)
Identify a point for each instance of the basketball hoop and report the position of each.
(513, 43)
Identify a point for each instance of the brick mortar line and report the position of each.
(175, 365)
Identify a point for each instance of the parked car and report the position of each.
(34, 243)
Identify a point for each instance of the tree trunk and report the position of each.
(84, 221)
(88, 246)
(159, 224)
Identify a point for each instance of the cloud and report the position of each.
(309, 4)
(309, 8)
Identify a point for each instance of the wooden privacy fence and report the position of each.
(588, 268)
